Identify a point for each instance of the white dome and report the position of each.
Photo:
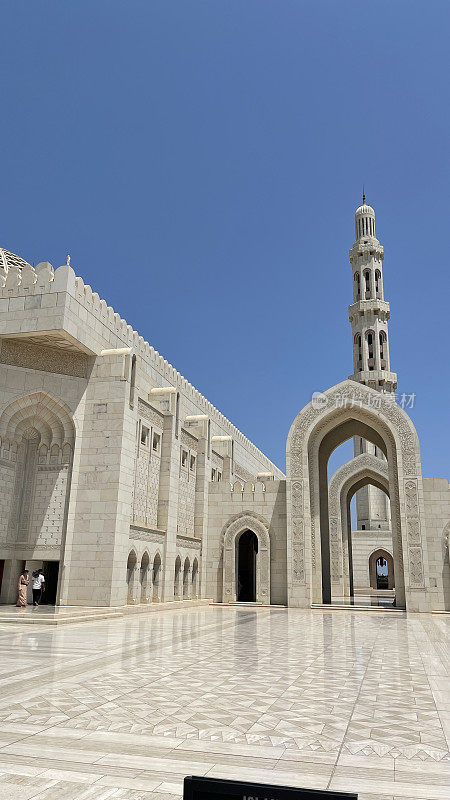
(365, 209)
(8, 259)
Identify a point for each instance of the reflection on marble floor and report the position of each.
(125, 708)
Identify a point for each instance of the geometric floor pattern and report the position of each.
(125, 708)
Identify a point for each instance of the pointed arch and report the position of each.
(231, 532)
(346, 410)
(41, 411)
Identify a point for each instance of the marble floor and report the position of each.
(125, 708)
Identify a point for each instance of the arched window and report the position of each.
(370, 349)
(378, 284)
(382, 339)
(358, 349)
(367, 283)
(357, 286)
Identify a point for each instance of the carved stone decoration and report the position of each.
(359, 464)
(43, 358)
(188, 542)
(146, 536)
(298, 545)
(242, 473)
(150, 414)
(297, 529)
(335, 550)
(189, 441)
(416, 577)
(296, 465)
(230, 534)
(414, 533)
(411, 496)
(345, 401)
(298, 561)
(297, 497)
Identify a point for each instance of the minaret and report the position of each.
(369, 312)
(369, 315)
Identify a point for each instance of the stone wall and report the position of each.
(266, 500)
(436, 492)
(364, 543)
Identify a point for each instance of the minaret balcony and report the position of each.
(361, 307)
(378, 378)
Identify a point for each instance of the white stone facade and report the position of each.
(131, 488)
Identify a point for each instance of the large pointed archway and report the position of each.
(364, 469)
(346, 410)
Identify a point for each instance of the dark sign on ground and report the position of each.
(218, 789)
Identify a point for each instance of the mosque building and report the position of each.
(128, 487)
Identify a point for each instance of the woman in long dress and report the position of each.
(23, 583)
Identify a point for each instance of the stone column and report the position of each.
(132, 586)
(100, 507)
(187, 592)
(199, 425)
(165, 398)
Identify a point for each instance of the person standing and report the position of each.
(38, 586)
(23, 584)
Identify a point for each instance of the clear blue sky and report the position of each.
(201, 160)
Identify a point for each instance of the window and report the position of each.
(357, 341)
(363, 527)
(219, 475)
(382, 342)
(192, 463)
(184, 458)
(213, 474)
(378, 283)
(370, 343)
(144, 435)
(156, 442)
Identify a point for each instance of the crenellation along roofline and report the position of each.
(43, 279)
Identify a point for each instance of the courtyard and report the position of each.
(125, 708)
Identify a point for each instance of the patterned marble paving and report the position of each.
(124, 708)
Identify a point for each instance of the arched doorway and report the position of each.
(247, 550)
(349, 489)
(246, 559)
(343, 412)
(37, 437)
(350, 477)
(381, 570)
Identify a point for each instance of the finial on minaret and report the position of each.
(68, 260)
(364, 197)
